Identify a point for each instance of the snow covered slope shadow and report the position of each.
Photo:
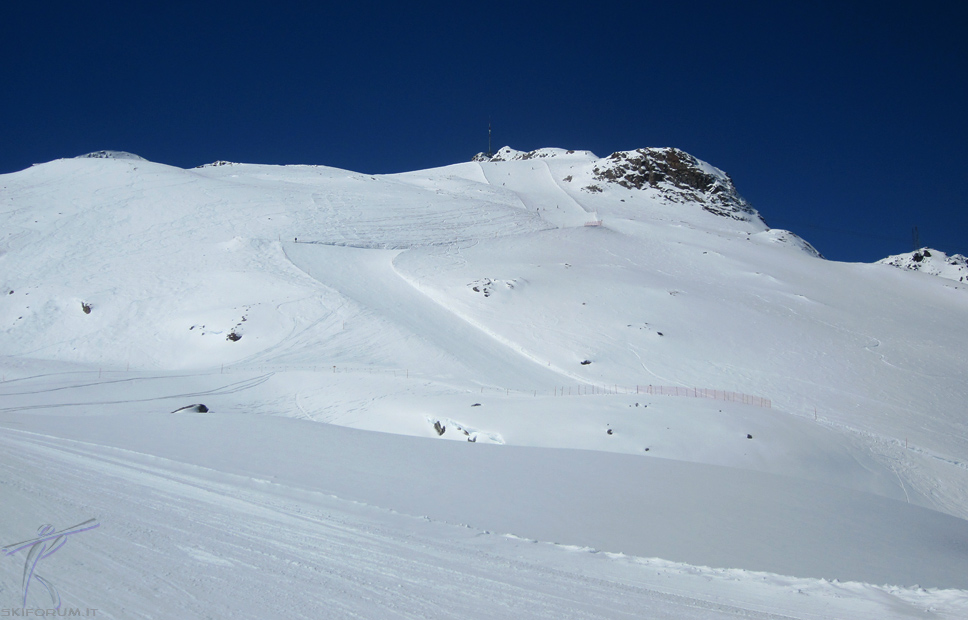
(685, 512)
(181, 540)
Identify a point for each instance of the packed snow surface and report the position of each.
(538, 384)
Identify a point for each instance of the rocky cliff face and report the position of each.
(679, 176)
(934, 262)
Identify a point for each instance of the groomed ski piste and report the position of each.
(534, 385)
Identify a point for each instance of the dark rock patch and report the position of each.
(679, 176)
(196, 408)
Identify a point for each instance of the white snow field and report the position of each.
(537, 385)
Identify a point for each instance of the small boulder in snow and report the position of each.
(196, 408)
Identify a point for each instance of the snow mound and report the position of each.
(111, 155)
(934, 262)
(785, 237)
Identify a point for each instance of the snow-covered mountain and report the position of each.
(933, 262)
(111, 155)
(671, 385)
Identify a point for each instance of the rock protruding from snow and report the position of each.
(463, 432)
(216, 164)
(679, 176)
(111, 155)
(934, 262)
(486, 286)
(508, 154)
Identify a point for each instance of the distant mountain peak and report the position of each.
(508, 154)
(934, 262)
(111, 155)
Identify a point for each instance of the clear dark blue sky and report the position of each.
(844, 121)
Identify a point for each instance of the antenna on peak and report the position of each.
(490, 153)
(917, 238)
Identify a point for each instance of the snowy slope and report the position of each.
(547, 301)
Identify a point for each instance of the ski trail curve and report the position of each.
(368, 278)
(538, 191)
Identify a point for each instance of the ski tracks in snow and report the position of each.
(369, 278)
(76, 400)
(183, 541)
(179, 540)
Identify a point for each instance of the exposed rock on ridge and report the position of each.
(674, 176)
(508, 154)
(216, 164)
(680, 176)
(111, 155)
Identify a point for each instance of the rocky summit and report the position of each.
(668, 175)
(679, 176)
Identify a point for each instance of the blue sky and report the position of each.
(844, 122)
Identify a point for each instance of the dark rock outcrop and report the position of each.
(679, 176)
